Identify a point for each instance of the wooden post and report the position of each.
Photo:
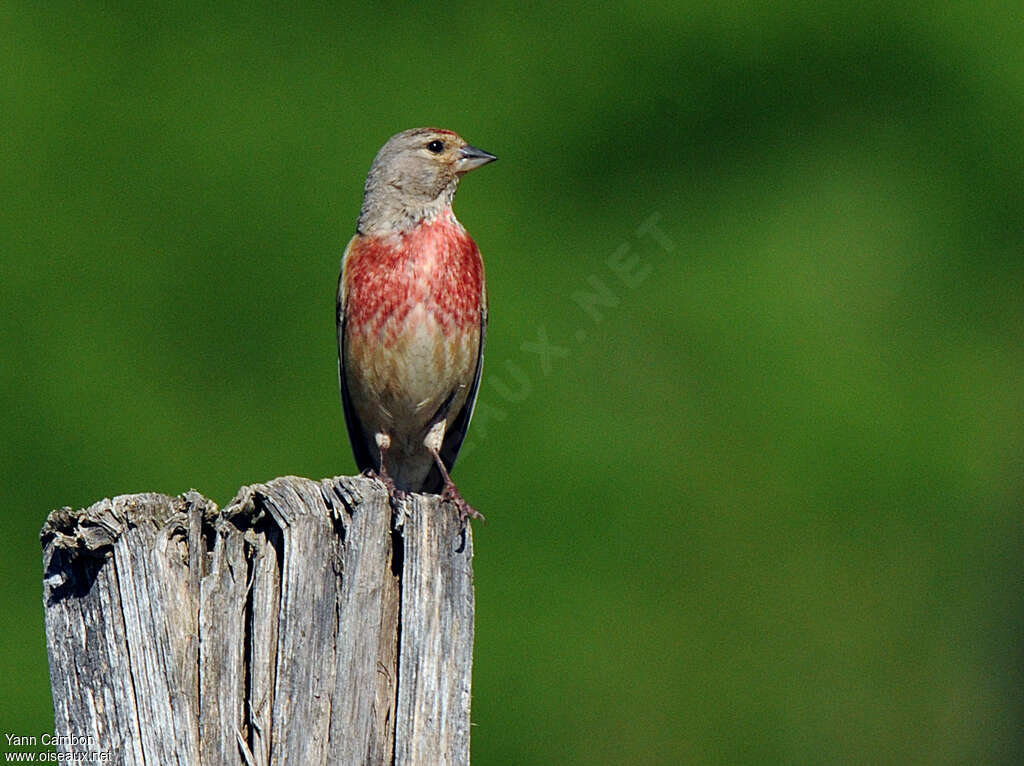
(305, 623)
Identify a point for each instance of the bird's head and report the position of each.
(414, 178)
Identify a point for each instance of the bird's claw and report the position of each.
(466, 511)
(395, 495)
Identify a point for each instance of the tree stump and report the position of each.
(305, 623)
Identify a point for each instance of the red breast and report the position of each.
(436, 266)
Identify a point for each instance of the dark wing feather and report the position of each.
(456, 433)
(356, 433)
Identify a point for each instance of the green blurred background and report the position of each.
(762, 504)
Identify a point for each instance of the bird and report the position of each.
(412, 317)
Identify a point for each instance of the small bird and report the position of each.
(412, 316)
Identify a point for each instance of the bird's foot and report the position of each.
(466, 511)
(395, 495)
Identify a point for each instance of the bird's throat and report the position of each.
(389, 211)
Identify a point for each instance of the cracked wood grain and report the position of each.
(305, 623)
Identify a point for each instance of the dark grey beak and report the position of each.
(470, 158)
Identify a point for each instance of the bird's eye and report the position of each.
(436, 147)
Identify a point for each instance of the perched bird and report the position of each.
(412, 316)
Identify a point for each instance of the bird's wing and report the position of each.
(356, 433)
(456, 432)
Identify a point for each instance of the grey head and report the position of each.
(414, 178)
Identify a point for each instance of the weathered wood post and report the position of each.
(305, 623)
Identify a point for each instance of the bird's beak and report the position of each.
(470, 158)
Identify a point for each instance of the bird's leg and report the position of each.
(451, 492)
(435, 437)
(394, 493)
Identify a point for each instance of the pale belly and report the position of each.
(409, 375)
